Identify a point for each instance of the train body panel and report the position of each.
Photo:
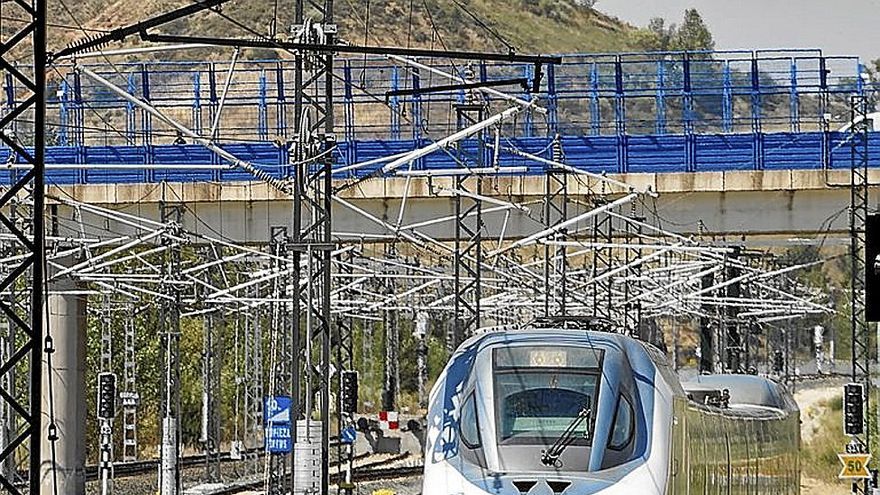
(562, 412)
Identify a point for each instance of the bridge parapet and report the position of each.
(598, 154)
(722, 92)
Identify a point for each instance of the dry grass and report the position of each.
(531, 26)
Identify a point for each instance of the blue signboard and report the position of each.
(276, 418)
(278, 439)
(348, 435)
(276, 409)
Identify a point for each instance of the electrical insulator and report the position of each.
(558, 153)
(854, 408)
(349, 391)
(106, 396)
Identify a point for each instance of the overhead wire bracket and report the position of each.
(92, 43)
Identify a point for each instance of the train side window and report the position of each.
(621, 432)
(468, 424)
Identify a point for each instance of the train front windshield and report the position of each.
(540, 391)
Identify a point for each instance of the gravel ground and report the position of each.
(402, 486)
(146, 484)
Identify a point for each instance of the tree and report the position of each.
(693, 34)
(664, 36)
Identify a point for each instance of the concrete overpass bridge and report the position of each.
(759, 205)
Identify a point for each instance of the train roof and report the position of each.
(559, 335)
(745, 390)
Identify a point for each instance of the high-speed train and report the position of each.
(552, 411)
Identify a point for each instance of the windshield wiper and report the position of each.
(550, 457)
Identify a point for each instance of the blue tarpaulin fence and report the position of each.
(616, 113)
(610, 154)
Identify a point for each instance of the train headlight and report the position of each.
(548, 358)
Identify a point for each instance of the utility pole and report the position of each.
(24, 57)
(421, 335)
(130, 397)
(858, 222)
(169, 464)
(468, 257)
(105, 423)
(312, 243)
(555, 213)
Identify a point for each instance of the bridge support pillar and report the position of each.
(64, 386)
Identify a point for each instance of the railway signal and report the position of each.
(106, 396)
(106, 413)
(854, 408)
(349, 391)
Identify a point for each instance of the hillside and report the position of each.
(547, 26)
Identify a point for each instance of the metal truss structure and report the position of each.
(391, 330)
(281, 351)
(603, 239)
(314, 117)
(23, 58)
(555, 259)
(170, 299)
(343, 342)
(468, 256)
(861, 334)
(129, 395)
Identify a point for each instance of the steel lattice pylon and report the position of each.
(313, 158)
(391, 378)
(857, 220)
(344, 342)
(280, 359)
(632, 311)
(23, 58)
(468, 237)
(105, 429)
(555, 262)
(210, 436)
(733, 343)
(169, 470)
(129, 396)
(603, 236)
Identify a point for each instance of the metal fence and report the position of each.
(588, 94)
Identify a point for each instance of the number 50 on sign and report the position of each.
(855, 466)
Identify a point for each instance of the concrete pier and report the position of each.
(66, 323)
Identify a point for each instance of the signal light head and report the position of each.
(348, 389)
(854, 409)
(106, 396)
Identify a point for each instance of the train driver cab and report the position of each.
(570, 407)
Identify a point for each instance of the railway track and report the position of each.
(372, 471)
(137, 468)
